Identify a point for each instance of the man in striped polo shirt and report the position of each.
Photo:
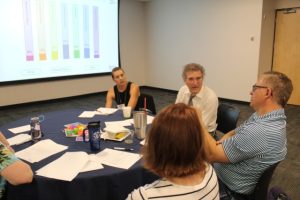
(243, 154)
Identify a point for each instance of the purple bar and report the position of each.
(66, 51)
(28, 30)
(86, 52)
(86, 42)
(96, 31)
(65, 31)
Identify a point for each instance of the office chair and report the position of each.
(261, 188)
(146, 102)
(227, 117)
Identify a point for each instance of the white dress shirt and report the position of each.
(206, 101)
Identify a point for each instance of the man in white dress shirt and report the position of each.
(195, 93)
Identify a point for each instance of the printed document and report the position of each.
(20, 129)
(19, 139)
(40, 151)
(120, 159)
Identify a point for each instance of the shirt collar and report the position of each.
(199, 94)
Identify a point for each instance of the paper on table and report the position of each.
(87, 114)
(117, 158)
(20, 129)
(127, 122)
(142, 142)
(115, 128)
(106, 111)
(66, 167)
(19, 139)
(149, 119)
(92, 164)
(40, 150)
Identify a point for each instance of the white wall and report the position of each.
(132, 60)
(216, 34)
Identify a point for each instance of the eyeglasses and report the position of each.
(255, 87)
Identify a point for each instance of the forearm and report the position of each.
(227, 135)
(17, 173)
(3, 139)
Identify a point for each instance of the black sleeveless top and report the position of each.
(122, 97)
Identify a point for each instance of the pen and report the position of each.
(123, 149)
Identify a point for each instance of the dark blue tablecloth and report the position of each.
(108, 183)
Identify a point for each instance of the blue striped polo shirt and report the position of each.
(258, 143)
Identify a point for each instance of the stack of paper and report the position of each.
(87, 114)
(69, 165)
(117, 158)
(19, 139)
(106, 111)
(40, 151)
(20, 129)
(115, 128)
(127, 122)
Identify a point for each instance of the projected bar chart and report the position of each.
(63, 30)
(58, 39)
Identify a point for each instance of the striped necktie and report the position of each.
(191, 100)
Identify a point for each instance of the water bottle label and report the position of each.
(86, 135)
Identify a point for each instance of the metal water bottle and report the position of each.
(35, 129)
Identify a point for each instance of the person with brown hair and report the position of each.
(125, 93)
(175, 151)
(243, 154)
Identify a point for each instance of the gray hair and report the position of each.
(192, 67)
(280, 84)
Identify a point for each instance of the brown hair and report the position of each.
(192, 67)
(175, 143)
(280, 84)
(114, 70)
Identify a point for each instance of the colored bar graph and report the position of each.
(65, 31)
(96, 31)
(53, 30)
(41, 29)
(28, 30)
(75, 25)
(86, 44)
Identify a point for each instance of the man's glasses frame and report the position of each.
(255, 87)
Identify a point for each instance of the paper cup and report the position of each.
(126, 112)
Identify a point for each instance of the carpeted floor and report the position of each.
(286, 175)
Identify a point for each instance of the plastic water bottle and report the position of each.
(35, 129)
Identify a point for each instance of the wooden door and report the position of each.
(286, 57)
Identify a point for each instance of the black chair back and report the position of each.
(227, 117)
(146, 101)
(261, 188)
